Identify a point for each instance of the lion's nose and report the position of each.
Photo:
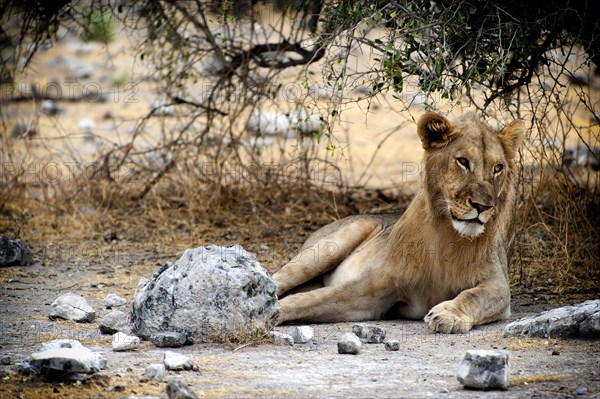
(479, 207)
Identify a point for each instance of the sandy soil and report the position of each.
(425, 366)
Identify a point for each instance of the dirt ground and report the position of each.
(425, 366)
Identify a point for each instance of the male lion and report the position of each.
(444, 259)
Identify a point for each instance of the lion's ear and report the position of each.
(512, 136)
(434, 130)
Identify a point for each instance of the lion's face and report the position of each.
(467, 166)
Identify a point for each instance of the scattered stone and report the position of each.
(23, 129)
(70, 306)
(581, 391)
(392, 345)
(564, 322)
(288, 124)
(65, 360)
(179, 390)
(169, 339)
(176, 361)
(155, 372)
(113, 322)
(14, 252)
(484, 369)
(51, 108)
(94, 284)
(282, 339)
(368, 333)
(302, 334)
(349, 344)
(209, 292)
(114, 301)
(122, 342)
(5, 360)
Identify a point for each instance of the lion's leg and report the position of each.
(328, 304)
(324, 255)
(485, 303)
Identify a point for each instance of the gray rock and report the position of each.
(484, 369)
(14, 252)
(392, 345)
(590, 327)
(93, 284)
(288, 124)
(564, 322)
(281, 339)
(155, 372)
(176, 361)
(169, 339)
(113, 322)
(349, 344)
(72, 307)
(114, 301)
(179, 390)
(302, 334)
(5, 360)
(581, 391)
(65, 359)
(209, 293)
(23, 129)
(122, 342)
(368, 333)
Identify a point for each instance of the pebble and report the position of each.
(281, 339)
(581, 391)
(93, 284)
(154, 371)
(169, 339)
(349, 344)
(179, 390)
(176, 361)
(122, 342)
(392, 345)
(302, 334)
(484, 369)
(113, 301)
(368, 333)
(5, 360)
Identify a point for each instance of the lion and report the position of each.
(443, 260)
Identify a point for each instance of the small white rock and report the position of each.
(302, 334)
(281, 338)
(122, 342)
(349, 344)
(72, 307)
(369, 333)
(484, 369)
(176, 361)
(87, 126)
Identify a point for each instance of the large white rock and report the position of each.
(288, 124)
(565, 322)
(65, 359)
(72, 307)
(209, 293)
(484, 369)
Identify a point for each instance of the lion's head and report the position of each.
(468, 168)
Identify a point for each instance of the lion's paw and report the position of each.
(444, 318)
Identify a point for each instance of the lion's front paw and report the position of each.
(444, 318)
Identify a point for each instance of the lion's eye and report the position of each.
(463, 162)
(498, 168)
